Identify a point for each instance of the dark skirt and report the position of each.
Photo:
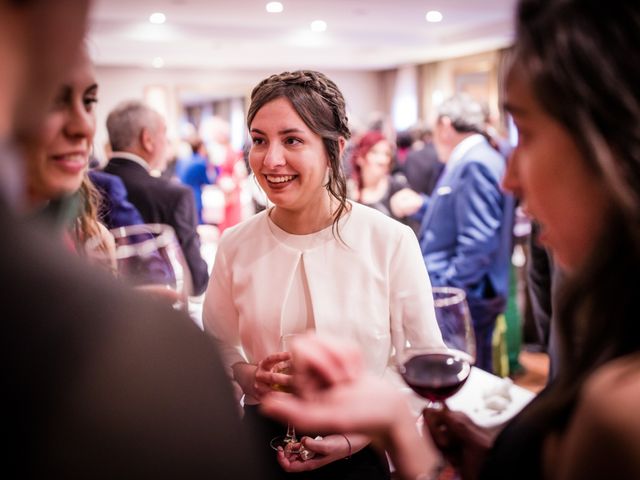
(367, 464)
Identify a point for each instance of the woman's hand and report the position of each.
(334, 394)
(463, 443)
(405, 202)
(331, 389)
(258, 380)
(327, 450)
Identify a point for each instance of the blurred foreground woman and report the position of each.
(58, 186)
(572, 90)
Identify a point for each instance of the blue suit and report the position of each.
(117, 210)
(465, 235)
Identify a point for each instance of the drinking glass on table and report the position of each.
(149, 257)
(284, 368)
(436, 373)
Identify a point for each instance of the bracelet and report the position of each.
(348, 443)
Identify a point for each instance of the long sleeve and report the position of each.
(411, 300)
(220, 316)
(478, 213)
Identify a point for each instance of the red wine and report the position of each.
(436, 376)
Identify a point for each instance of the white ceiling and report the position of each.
(240, 34)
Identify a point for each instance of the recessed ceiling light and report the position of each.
(274, 7)
(318, 26)
(158, 18)
(157, 62)
(433, 16)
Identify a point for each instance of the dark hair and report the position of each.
(580, 57)
(320, 104)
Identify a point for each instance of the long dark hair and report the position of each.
(320, 104)
(580, 57)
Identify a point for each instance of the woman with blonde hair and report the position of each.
(58, 187)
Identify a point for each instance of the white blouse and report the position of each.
(371, 287)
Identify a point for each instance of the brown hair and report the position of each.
(320, 104)
(579, 57)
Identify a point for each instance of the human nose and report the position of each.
(274, 156)
(80, 122)
(511, 180)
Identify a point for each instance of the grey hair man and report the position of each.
(465, 234)
(465, 231)
(97, 382)
(138, 137)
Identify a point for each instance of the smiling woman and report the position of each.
(292, 267)
(59, 189)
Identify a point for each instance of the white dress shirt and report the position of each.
(373, 288)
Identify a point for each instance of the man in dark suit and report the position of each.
(422, 169)
(98, 381)
(138, 140)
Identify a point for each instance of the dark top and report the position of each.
(422, 169)
(517, 451)
(163, 201)
(116, 210)
(397, 182)
(99, 382)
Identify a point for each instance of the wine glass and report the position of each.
(285, 368)
(436, 373)
(149, 257)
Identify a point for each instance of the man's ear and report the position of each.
(446, 125)
(145, 140)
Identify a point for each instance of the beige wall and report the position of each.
(365, 92)
(477, 74)
(361, 90)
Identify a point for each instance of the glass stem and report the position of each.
(291, 434)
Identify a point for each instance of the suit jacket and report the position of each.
(163, 201)
(116, 209)
(466, 231)
(101, 382)
(422, 169)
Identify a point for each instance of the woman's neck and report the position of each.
(306, 221)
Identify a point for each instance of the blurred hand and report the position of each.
(405, 202)
(334, 394)
(160, 292)
(463, 443)
(331, 389)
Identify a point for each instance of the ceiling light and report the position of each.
(158, 18)
(318, 26)
(433, 16)
(274, 7)
(157, 62)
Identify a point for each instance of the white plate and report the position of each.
(472, 399)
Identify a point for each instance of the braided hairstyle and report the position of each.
(320, 104)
